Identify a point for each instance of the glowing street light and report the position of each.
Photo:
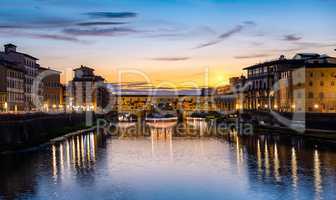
(46, 107)
(6, 107)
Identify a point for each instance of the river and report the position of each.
(95, 166)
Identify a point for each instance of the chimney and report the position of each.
(10, 48)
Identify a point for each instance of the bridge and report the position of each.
(161, 128)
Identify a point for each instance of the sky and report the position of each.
(167, 43)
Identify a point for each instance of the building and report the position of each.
(304, 83)
(11, 87)
(309, 88)
(87, 91)
(230, 98)
(51, 90)
(129, 103)
(27, 63)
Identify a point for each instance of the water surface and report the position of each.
(93, 166)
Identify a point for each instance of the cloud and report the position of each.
(304, 46)
(115, 31)
(291, 37)
(180, 33)
(171, 58)
(231, 32)
(59, 37)
(28, 20)
(223, 36)
(55, 37)
(111, 14)
(134, 84)
(249, 22)
(208, 44)
(286, 50)
(315, 44)
(100, 23)
(252, 56)
(10, 26)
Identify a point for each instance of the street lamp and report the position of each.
(46, 107)
(6, 107)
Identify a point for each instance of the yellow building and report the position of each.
(230, 98)
(305, 83)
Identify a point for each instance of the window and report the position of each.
(311, 74)
(321, 83)
(299, 95)
(310, 83)
(322, 74)
(310, 95)
(332, 83)
(321, 95)
(265, 69)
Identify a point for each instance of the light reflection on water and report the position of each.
(94, 166)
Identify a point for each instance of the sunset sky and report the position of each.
(171, 41)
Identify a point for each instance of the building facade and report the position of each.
(303, 83)
(86, 90)
(29, 65)
(11, 87)
(230, 98)
(309, 88)
(51, 90)
(129, 103)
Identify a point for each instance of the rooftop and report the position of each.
(44, 69)
(10, 65)
(298, 59)
(24, 54)
(82, 67)
(9, 45)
